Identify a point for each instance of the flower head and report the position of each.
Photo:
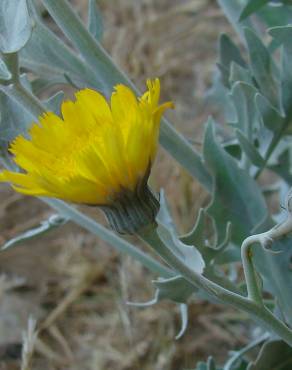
(95, 153)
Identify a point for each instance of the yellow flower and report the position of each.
(95, 152)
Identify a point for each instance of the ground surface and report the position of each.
(74, 284)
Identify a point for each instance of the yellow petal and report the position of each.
(96, 104)
(94, 151)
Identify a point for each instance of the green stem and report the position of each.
(109, 237)
(99, 60)
(258, 312)
(253, 289)
(11, 60)
(264, 240)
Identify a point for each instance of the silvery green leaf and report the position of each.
(47, 56)
(263, 68)
(283, 166)
(189, 254)
(25, 82)
(274, 354)
(275, 15)
(15, 25)
(243, 96)
(4, 71)
(236, 196)
(228, 53)
(249, 124)
(52, 222)
(251, 7)
(270, 117)
(150, 303)
(232, 10)
(283, 36)
(13, 119)
(182, 306)
(232, 147)
(72, 81)
(40, 84)
(197, 235)
(164, 216)
(250, 150)
(53, 104)
(95, 24)
(238, 73)
(183, 309)
(176, 289)
(218, 96)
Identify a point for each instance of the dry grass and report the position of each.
(75, 285)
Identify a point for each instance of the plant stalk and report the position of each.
(253, 289)
(258, 312)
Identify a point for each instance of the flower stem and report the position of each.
(265, 240)
(106, 235)
(253, 289)
(258, 312)
(11, 60)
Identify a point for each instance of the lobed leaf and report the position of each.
(164, 216)
(48, 57)
(250, 150)
(283, 36)
(262, 66)
(236, 196)
(228, 53)
(189, 254)
(270, 117)
(243, 95)
(239, 74)
(176, 289)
